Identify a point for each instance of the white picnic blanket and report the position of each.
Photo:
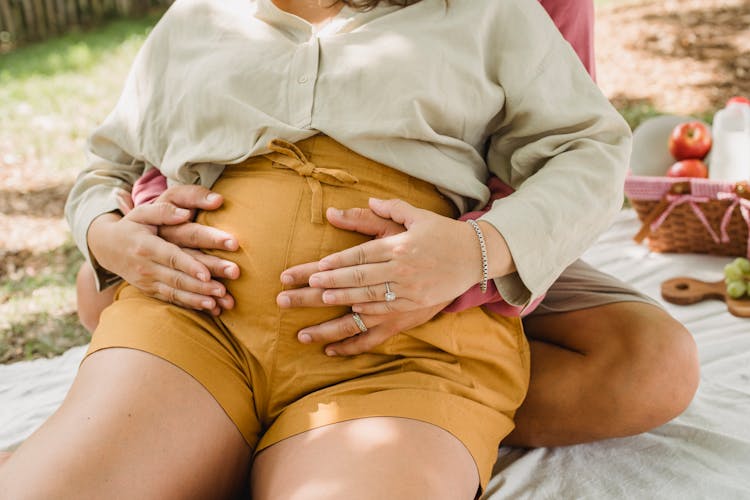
(703, 454)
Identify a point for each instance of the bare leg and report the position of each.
(604, 372)
(91, 303)
(4, 456)
(369, 458)
(132, 426)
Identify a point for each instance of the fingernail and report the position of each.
(286, 279)
(329, 297)
(230, 244)
(208, 304)
(304, 338)
(336, 212)
(314, 280)
(331, 352)
(218, 292)
(202, 276)
(182, 212)
(212, 197)
(376, 200)
(356, 309)
(229, 271)
(283, 301)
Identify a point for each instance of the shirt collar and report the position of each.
(346, 20)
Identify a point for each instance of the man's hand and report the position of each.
(130, 247)
(191, 236)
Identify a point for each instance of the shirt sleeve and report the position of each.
(93, 194)
(564, 148)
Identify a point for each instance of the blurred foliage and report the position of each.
(52, 94)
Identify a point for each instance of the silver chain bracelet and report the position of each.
(483, 249)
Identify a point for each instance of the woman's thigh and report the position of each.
(368, 458)
(132, 426)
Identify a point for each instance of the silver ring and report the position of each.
(389, 295)
(360, 324)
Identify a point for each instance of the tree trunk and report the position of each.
(41, 26)
(84, 11)
(49, 7)
(61, 11)
(72, 13)
(28, 17)
(97, 10)
(140, 8)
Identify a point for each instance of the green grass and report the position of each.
(59, 270)
(637, 112)
(37, 305)
(41, 336)
(52, 94)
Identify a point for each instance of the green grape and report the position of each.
(736, 289)
(733, 272)
(742, 264)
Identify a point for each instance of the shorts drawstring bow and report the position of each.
(288, 155)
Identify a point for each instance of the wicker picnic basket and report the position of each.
(691, 215)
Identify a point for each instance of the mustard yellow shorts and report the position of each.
(465, 372)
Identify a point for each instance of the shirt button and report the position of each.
(302, 79)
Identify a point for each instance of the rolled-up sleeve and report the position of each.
(95, 193)
(565, 149)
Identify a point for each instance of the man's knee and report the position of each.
(660, 361)
(680, 355)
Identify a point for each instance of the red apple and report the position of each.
(690, 140)
(688, 168)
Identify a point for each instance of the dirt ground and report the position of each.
(677, 56)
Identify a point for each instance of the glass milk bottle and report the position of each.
(730, 154)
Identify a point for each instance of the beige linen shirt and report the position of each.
(448, 92)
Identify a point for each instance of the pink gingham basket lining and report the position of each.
(654, 188)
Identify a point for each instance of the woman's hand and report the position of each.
(361, 220)
(432, 262)
(131, 248)
(342, 336)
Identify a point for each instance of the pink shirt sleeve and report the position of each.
(148, 187)
(575, 20)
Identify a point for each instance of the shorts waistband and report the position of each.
(323, 160)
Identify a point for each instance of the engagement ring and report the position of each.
(389, 295)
